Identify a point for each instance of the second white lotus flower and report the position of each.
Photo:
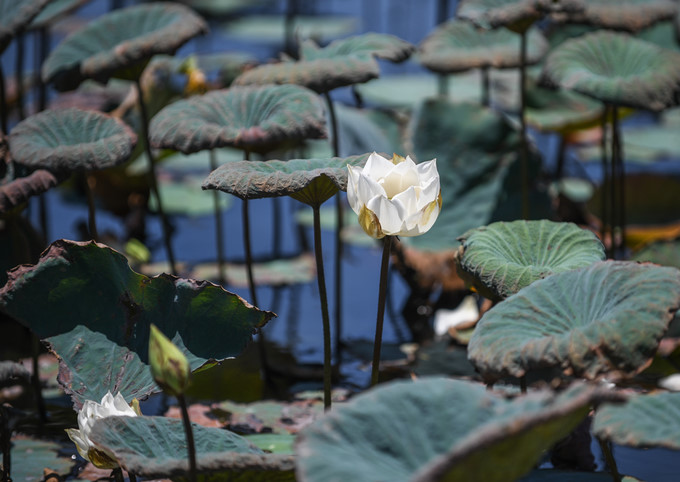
(395, 197)
(88, 415)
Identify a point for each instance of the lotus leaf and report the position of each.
(380, 45)
(31, 456)
(156, 447)
(457, 46)
(15, 16)
(279, 272)
(311, 181)
(629, 15)
(513, 14)
(92, 294)
(221, 8)
(651, 420)
(71, 140)
(502, 258)
(437, 429)
(117, 43)
(272, 28)
(476, 151)
(253, 118)
(321, 75)
(561, 110)
(608, 317)
(616, 68)
(665, 253)
(18, 191)
(184, 197)
(55, 9)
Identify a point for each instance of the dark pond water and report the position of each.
(298, 326)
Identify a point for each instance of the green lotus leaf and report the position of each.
(437, 429)
(15, 16)
(661, 34)
(273, 28)
(477, 159)
(31, 456)
(456, 46)
(320, 75)
(650, 420)
(616, 68)
(380, 45)
(184, 197)
(517, 15)
(120, 41)
(156, 447)
(665, 253)
(253, 118)
(276, 443)
(19, 190)
(608, 317)
(502, 258)
(222, 8)
(91, 294)
(562, 111)
(54, 10)
(628, 15)
(311, 181)
(71, 140)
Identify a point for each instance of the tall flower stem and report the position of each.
(321, 278)
(91, 211)
(382, 296)
(524, 143)
(218, 225)
(339, 245)
(152, 176)
(190, 437)
(245, 214)
(620, 176)
(604, 206)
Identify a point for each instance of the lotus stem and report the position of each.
(41, 48)
(321, 278)
(190, 437)
(3, 103)
(605, 180)
(5, 443)
(132, 477)
(152, 176)
(620, 176)
(91, 210)
(443, 85)
(245, 214)
(221, 278)
(524, 143)
(117, 474)
(523, 384)
(382, 296)
(609, 459)
(561, 154)
(35, 379)
(277, 227)
(19, 77)
(486, 86)
(339, 245)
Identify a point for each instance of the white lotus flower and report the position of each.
(395, 197)
(91, 412)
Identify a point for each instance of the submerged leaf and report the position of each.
(502, 258)
(91, 294)
(608, 317)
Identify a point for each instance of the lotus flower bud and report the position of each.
(394, 197)
(169, 366)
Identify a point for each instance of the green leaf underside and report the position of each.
(457, 46)
(156, 447)
(121, 40)
(72, 140)
(436, 429)
(91, 294)
(252, 118)
(608, 317)
(616, 68)
(311, 181)
(502, 258)
(651, 420)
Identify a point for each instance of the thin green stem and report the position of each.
(117, 474)
(382, 296)
(604, 205)
(221, 278)
(35, 379)
(620, 175)
(188, 432)
(19, 77)
(486, 86)
(91, 210)
(524, 143)
(132, 477)
(153, 180)
(443, 85)
(321, 278)
(5, 443)
(245, 215)
(523, 384)
(610, 460)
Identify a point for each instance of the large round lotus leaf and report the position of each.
(320, 75)
(502, 258)
(562, 111)
(437, 429)
(18, 191)
(616, 68)
(15, 16)
(456, 46)
(311, 181)
(156, 447)
(665, 253)
(251, 118)
(608, 317)
(184, 197)
(629, 15)
(120, 40)
(380, 45)
(651, 420)
(477, 159)
(53, 10)
(99, 312)
(71, 140)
